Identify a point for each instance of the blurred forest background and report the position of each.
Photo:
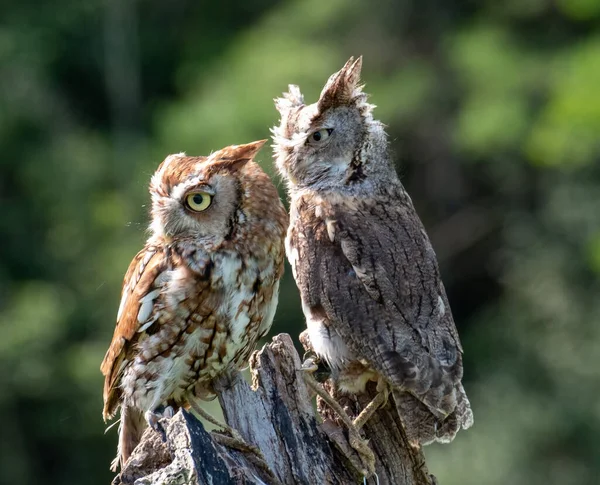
(493, 110)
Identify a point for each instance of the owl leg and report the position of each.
(356, 441)
(225, 428)
(131, 428)
(378, 401)
(153, 419)
(235, 441)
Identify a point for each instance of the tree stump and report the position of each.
(276, 414)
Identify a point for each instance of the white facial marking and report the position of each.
(180, 189)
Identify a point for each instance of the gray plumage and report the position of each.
(368, 276)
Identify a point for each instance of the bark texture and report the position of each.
(277, 415)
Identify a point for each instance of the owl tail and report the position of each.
(131, 428)
(423, 427)
(463, 408)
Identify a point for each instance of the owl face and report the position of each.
(327, 144)
(197, 197)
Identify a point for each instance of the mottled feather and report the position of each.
(201, 293)
(394, 282)
(367, 273)
(139, 280)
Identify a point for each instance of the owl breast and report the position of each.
(351, 373)
(206, 326)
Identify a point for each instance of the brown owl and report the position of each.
(374, 302)
(200, 294)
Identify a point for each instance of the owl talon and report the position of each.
(235, 441)
(169, 412)
(378, 401)
(362, 448)
(254, 454)
(153, 420)
(226, 434)
(311, 363)
(234, 435)
(356, 441)
(230, 437)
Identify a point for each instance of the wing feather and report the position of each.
(140, 290)
(378, 282)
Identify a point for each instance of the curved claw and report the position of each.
(376, 479)
(313, 364)
(367, 465)
(309, 364)
(169, 412)
(363, 449)
(153, 420)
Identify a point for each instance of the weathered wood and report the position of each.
(277, 415)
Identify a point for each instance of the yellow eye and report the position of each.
(198, 201)
(320, 136)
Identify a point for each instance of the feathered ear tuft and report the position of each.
(287, 106)
(234, 157)
(292, 99)
(239, 152)
(342, 87)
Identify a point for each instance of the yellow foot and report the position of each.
(356, 441)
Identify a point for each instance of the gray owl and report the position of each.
(374, 302)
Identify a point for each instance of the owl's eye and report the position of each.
(320, 136)
(198, 201)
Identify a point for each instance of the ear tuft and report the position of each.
(292, 99)
(343, 86)
(233, 157)
(239, 152)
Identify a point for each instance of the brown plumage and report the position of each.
(201, 293)
(375, 304)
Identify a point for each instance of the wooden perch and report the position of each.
(277, 415)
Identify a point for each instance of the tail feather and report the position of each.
(131, 428)
(424, 426)
(463, 408)
(424, 376)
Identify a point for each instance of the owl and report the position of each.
(200, 294)
(374, 302)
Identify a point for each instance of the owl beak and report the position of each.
(339, 88)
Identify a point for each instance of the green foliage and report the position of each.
(567, 130)
(494, 112)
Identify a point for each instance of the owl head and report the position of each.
(199, 197)
(334, 142)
